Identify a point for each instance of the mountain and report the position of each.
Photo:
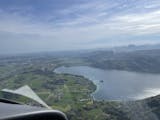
(133, 47)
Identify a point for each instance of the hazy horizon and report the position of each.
(28, 26)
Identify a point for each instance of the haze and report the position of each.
(53, 25)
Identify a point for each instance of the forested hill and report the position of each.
(139, 61)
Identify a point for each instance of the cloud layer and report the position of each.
(27, 26)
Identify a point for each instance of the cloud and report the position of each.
(80, 25)
(145, 23)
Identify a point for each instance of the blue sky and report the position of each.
(51, 25)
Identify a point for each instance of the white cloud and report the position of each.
(145, 23)
(81, 24)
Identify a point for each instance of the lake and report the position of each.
(116, 84)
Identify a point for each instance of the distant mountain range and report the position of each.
(133, 47)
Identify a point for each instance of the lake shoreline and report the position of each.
(120, 84)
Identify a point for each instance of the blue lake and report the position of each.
(116, 84)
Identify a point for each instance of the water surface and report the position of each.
(116, 84)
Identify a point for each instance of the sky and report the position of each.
(59, 25)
